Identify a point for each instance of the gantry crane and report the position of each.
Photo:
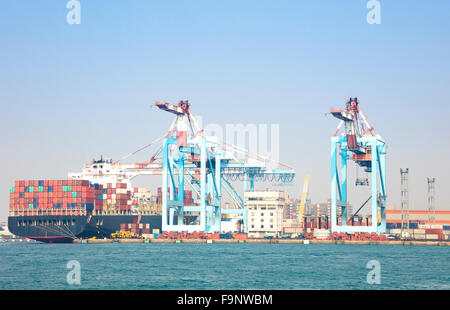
(368, 151)
(207, 165)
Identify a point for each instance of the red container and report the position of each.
(213, 236)
(433, 231)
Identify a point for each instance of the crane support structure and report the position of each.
(303, 199)
(367, 150)
(208, 167)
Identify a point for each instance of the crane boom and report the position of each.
(304, 196)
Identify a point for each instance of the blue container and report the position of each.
(226, 236)
(446, 227)
(390, 225)
(100, 197)
(156, 236)
(22, 195)
(413, 225)
(90, 206)
(96, 186)
(41, 183)
(50, 189)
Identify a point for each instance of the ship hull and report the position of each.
(64, 229)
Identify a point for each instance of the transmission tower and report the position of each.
(430, 202)
(404, 200)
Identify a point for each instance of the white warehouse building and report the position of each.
(265, 212)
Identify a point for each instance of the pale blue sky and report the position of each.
(69, 93)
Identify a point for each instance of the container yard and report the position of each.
(198, 173)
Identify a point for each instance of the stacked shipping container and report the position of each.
(53, 194)
(135, 228)
(117, 196)
(188, 198)
(141, 195)
(66, 194)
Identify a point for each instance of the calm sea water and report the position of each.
(222, 266)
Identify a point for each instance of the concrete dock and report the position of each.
(265, 241)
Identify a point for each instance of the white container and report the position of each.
(432, 237)
(148, 236)
(419, 236)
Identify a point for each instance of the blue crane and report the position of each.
(368, 151)
(208, 167)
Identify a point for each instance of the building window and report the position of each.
(271, 226)
(262, 226)
(253, 226)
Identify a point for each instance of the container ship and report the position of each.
(97, 202)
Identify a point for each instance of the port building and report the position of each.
(265, 212)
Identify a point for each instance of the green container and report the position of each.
(64, 188)
(41, 188)
(30, 206)
(31, 189)
(13, 190)
(74, 194)
(69, 188)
